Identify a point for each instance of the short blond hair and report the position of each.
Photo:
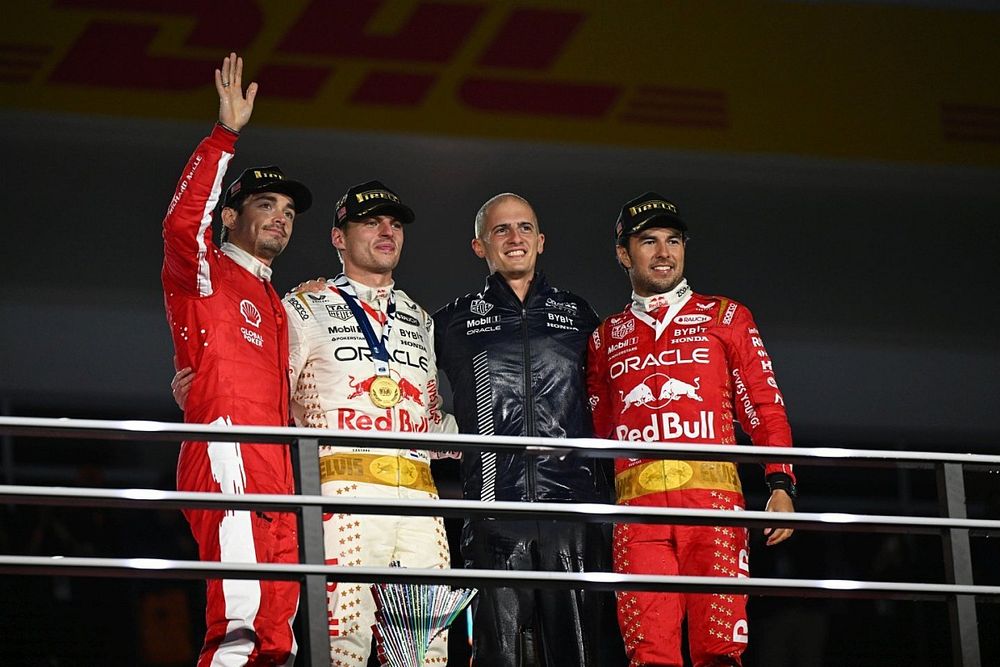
(484, 210)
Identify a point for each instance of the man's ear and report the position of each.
(337, 238)
(541, 243)
(229, 216)
(623, 259)
(477, 247)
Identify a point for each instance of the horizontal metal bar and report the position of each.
(168, 431)
(151, 568)
(590, 512)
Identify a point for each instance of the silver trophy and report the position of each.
(409, 616)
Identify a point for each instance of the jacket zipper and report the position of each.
(529, 404)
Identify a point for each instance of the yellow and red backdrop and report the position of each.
(884, 82)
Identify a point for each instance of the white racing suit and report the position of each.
(331, 372)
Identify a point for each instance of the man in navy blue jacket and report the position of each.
(515, 356)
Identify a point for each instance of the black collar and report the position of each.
(498, 285)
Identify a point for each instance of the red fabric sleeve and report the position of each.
(598, 389)
(187, 227)
(759, 405)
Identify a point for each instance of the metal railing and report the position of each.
(958, 591)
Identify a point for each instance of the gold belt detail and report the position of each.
(377, 469)
(658, 476)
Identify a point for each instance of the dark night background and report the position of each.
(873, 281)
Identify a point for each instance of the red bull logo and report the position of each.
(669, 426)
(640, 394)
(360, 388)
(674, 389)
(403, 421)
(407, 390)
(410, 392)
(645, 395)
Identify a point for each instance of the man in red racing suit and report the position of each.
(677, 366)
(228, 325)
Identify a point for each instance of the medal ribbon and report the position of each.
(379, 348)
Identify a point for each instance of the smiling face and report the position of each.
(263, 224)
(654, 259)
(369, 248)
(510, 241)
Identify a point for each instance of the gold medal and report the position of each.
(384, 392)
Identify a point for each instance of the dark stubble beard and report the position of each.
(271, 247)
(646, 287)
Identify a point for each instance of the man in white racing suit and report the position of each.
(361, 357)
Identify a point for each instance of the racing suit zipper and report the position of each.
(279, 318)
(530, 462)
(393, 411)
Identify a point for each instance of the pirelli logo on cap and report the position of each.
(649, 205)
(371, 196)
(268, 174)
(375, 194)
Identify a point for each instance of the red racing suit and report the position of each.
(677, 367)
(228, 324)
(331, 373)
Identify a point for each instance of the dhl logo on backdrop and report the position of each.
(884, 82)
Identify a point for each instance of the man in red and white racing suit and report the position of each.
(677, 366)
(336, 384)
(228, 325)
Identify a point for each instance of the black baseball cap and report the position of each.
(647, 210)
(267, 179)
(369, 199)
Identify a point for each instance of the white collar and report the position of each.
(247, 261)
(370, 294)
(647, 304)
